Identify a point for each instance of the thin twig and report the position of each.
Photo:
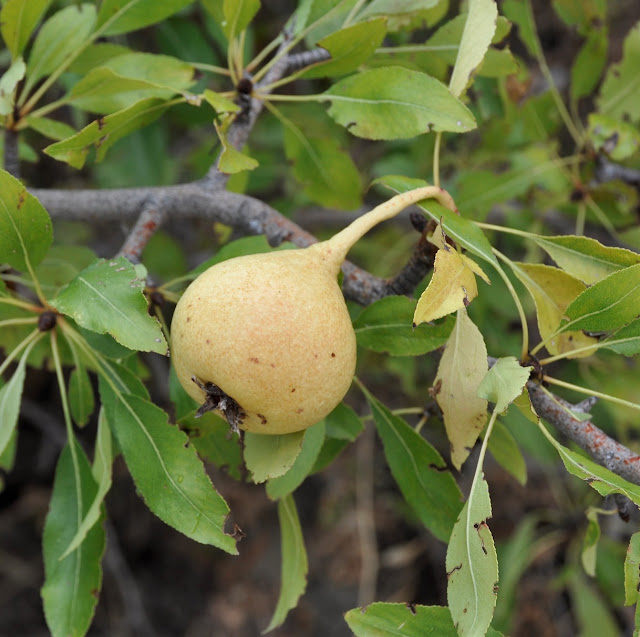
(145, 227)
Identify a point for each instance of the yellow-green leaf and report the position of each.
(462, 367)
(232, 161)
(552, 291)
(476, 38)
(585, 258)
(452, 286)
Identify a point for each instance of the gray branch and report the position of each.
(247, 215)
(601, 447)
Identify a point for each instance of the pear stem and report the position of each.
(335, 249)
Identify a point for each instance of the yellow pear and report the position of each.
(266, 339)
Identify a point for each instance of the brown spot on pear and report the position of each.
(283, 307)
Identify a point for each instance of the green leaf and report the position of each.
(607, 305)
(231, 160)
(81, 399)
(385, 619)
(71, 585)
(107, 89)
(349, 48)
(472, 565)
(278, 488)
(589, 64)
(220, 103)
(108, 297)
(605, 482)
(122, 16)
(8, 83)
(584, 14)
(166, 470)
(18, 19)
(50, 127)
(632, 571)
(271, 456)
(553, 290)
(445, 44)
(590, 543)
(620, 91)
(419, 471)
(396, 103)
(96, 55)
(326, 171)
(237, 15)
(619, 140)
(343, 423)
(461, 230)
(25, 226)
(520, 13)
(106, 131)
(211, 436)
(507, 454)
(504, 382)
(462, 367)
(10, 399)
(101, 471)
(478, 32)
(8, 456)
(386, 326)
(60, 37)
(625, 341)
(342, 426)
(586, 258)
(294, 566)
(395, 7)
(62, 264)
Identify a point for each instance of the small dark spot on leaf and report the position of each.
(263, 420)
(100, 122)
(333, 354)
(253, 359)
(412, 607)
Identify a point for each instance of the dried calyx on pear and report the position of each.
(266, 339)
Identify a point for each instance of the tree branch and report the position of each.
(601, 447)
(148, 222)
(248, 215)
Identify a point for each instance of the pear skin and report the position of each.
(273, 332)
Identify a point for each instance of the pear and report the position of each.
(266, 339)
